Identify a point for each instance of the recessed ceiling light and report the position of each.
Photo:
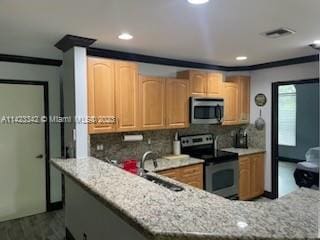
(241, 58)
(125, 36)
(316, 42)
(198, 1)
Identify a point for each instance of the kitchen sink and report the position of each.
(163, 183)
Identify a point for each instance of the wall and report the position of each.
(261, 81)
(50, 74)
(307, 128)
(161, 141)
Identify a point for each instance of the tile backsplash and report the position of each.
(161, 141)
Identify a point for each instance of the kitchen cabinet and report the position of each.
(236, 92)
(231, 103)
(101, 93)
(127, 96)
(215, 85)
(251, 177)
(152, 102)
(244, 99)
(191, 175)
(203, 84)
(198, 82)
(113, 92)
(177, 103)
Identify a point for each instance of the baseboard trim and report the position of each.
(55, 206)
(69, 235)
(269, 195)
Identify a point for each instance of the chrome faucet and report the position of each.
(216, 142)
(144, 158)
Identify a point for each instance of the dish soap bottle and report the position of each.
(176, 145)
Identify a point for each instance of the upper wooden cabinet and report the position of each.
(215, 85)
(198, 81)
(203, 84)
(152, 102)
(113, 92)
(231, 103)
(177, 103)
(244, 95)
(127, 96)
(236, 92)
(101, 92)
(251, 177)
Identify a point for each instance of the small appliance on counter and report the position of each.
(241, 139)
(221, 168)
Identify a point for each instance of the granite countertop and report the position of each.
(244, 151)
(166, 164)
(161, 214)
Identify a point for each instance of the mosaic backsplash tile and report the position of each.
(161, 141)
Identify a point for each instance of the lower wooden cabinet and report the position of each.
(191, 175)
(251, 177)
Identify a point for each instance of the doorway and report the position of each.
(295, 130)
(24, 149)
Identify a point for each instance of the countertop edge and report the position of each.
(149, 234)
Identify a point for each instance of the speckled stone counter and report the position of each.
(166, 164)
(244, 151)
(161, 214)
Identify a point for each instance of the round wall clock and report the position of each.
(260, 99)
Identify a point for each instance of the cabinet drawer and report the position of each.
(190, 171)
(174, 174)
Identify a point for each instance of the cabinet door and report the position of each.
(214, 85)
(127, 96)
(193, 175)
(244, 99)
(101, 93)
(152, 102)
(257, 175)
(231, 104)
(244, 178)
(177, 103)
(198, 83)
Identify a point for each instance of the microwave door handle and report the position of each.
(219, 113)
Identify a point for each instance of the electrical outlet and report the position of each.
(99, 147)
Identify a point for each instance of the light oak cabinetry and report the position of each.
(113, 92)
(215, 85)
(251, 177)
(231, 103)
(203, 84)
(177, 103)
(236, 92)
(101, 92)
(191, 175)
(127, 96)
(152, 102)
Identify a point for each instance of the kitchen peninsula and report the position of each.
(105, 202)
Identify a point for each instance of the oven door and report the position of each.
(223, 178)
(206, 111)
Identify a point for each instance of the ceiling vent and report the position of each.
(278, 33)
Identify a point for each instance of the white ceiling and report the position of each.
(213, 33)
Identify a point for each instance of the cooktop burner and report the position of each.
(201, 146)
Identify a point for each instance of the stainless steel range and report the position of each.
(221, 168)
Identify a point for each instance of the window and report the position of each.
(287, 115)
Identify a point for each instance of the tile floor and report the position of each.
(45, 226)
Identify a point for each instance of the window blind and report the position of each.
(287, 115)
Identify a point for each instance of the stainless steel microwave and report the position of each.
(206, 110)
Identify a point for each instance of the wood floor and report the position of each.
(46, 226)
